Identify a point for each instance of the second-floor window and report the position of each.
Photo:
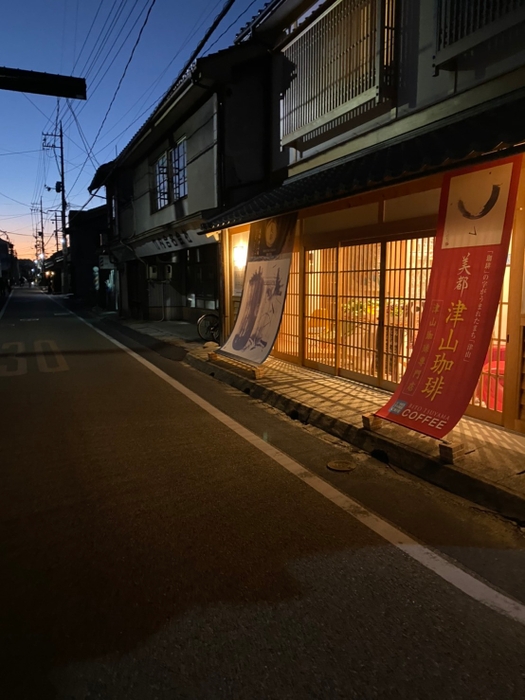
(178, 165)
(462, 25)
(342, 63)
(171, 179)
(162, 181)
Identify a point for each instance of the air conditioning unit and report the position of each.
(168, 272)
(153, 272)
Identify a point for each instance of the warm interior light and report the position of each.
(239, 256)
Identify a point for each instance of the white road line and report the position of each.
(457, 577)
(5, 305)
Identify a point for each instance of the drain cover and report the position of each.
(340, 465)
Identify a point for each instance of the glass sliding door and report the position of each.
(359, 304)
(407, 273)
(287, 342)
(320, 306)
(363, 305)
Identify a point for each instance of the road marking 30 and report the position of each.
(13, 350)
(42, 356)
(459, 578)
(43, 350)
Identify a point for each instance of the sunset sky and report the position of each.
(93, 40)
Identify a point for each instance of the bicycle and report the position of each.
(208, 327)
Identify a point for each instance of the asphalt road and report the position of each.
(149, 551)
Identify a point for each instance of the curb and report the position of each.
(409, 458)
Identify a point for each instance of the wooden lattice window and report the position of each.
(343, 66)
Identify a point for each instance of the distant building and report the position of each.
(94, 279)
(204, 148)
(8, 263)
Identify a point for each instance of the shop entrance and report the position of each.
(362, 309)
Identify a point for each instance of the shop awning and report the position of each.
(491, 131)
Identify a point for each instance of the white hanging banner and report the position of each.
(264, 291)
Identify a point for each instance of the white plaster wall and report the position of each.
(200, 131)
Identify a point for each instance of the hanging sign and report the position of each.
(264, 291)
(470, 253)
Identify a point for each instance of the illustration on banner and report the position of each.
(476, 208)
(264, 292)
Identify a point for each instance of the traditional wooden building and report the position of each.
(204, 148)
(373, 101)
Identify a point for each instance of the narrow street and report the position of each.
(153, 549)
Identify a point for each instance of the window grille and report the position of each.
(161, 182)
(407, 273)
(343, 64)
(320, 306)
(178, 164)
(359, 299)
(463, 24)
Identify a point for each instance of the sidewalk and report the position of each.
(490, 474)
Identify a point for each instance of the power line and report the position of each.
(15, 200)
(107, 61)
(152, 4)
(88, 35)
(35, 105)
(226, 7)
(152, 87)
(18, 153)
(232, 24)
(103, 39)
(88, 150)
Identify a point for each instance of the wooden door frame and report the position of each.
(515, 319)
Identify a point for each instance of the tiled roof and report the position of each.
(101, 175)
(466, 137)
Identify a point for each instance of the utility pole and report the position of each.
(41, 232)
(65, 276)
(49, 141)
(56, 230)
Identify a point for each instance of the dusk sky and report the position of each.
(92, 40)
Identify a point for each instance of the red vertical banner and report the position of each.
(470, 253)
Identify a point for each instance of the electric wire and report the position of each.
(87, 35)
(232, 24)
(116, 12)
(100, 41)
(87, 148)
(137, 41)
(18, 153)
(17, 201)
(106, 61)
(194, 30)
(202, 19)
(109, 61)
(225, 9)
(202, 43)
